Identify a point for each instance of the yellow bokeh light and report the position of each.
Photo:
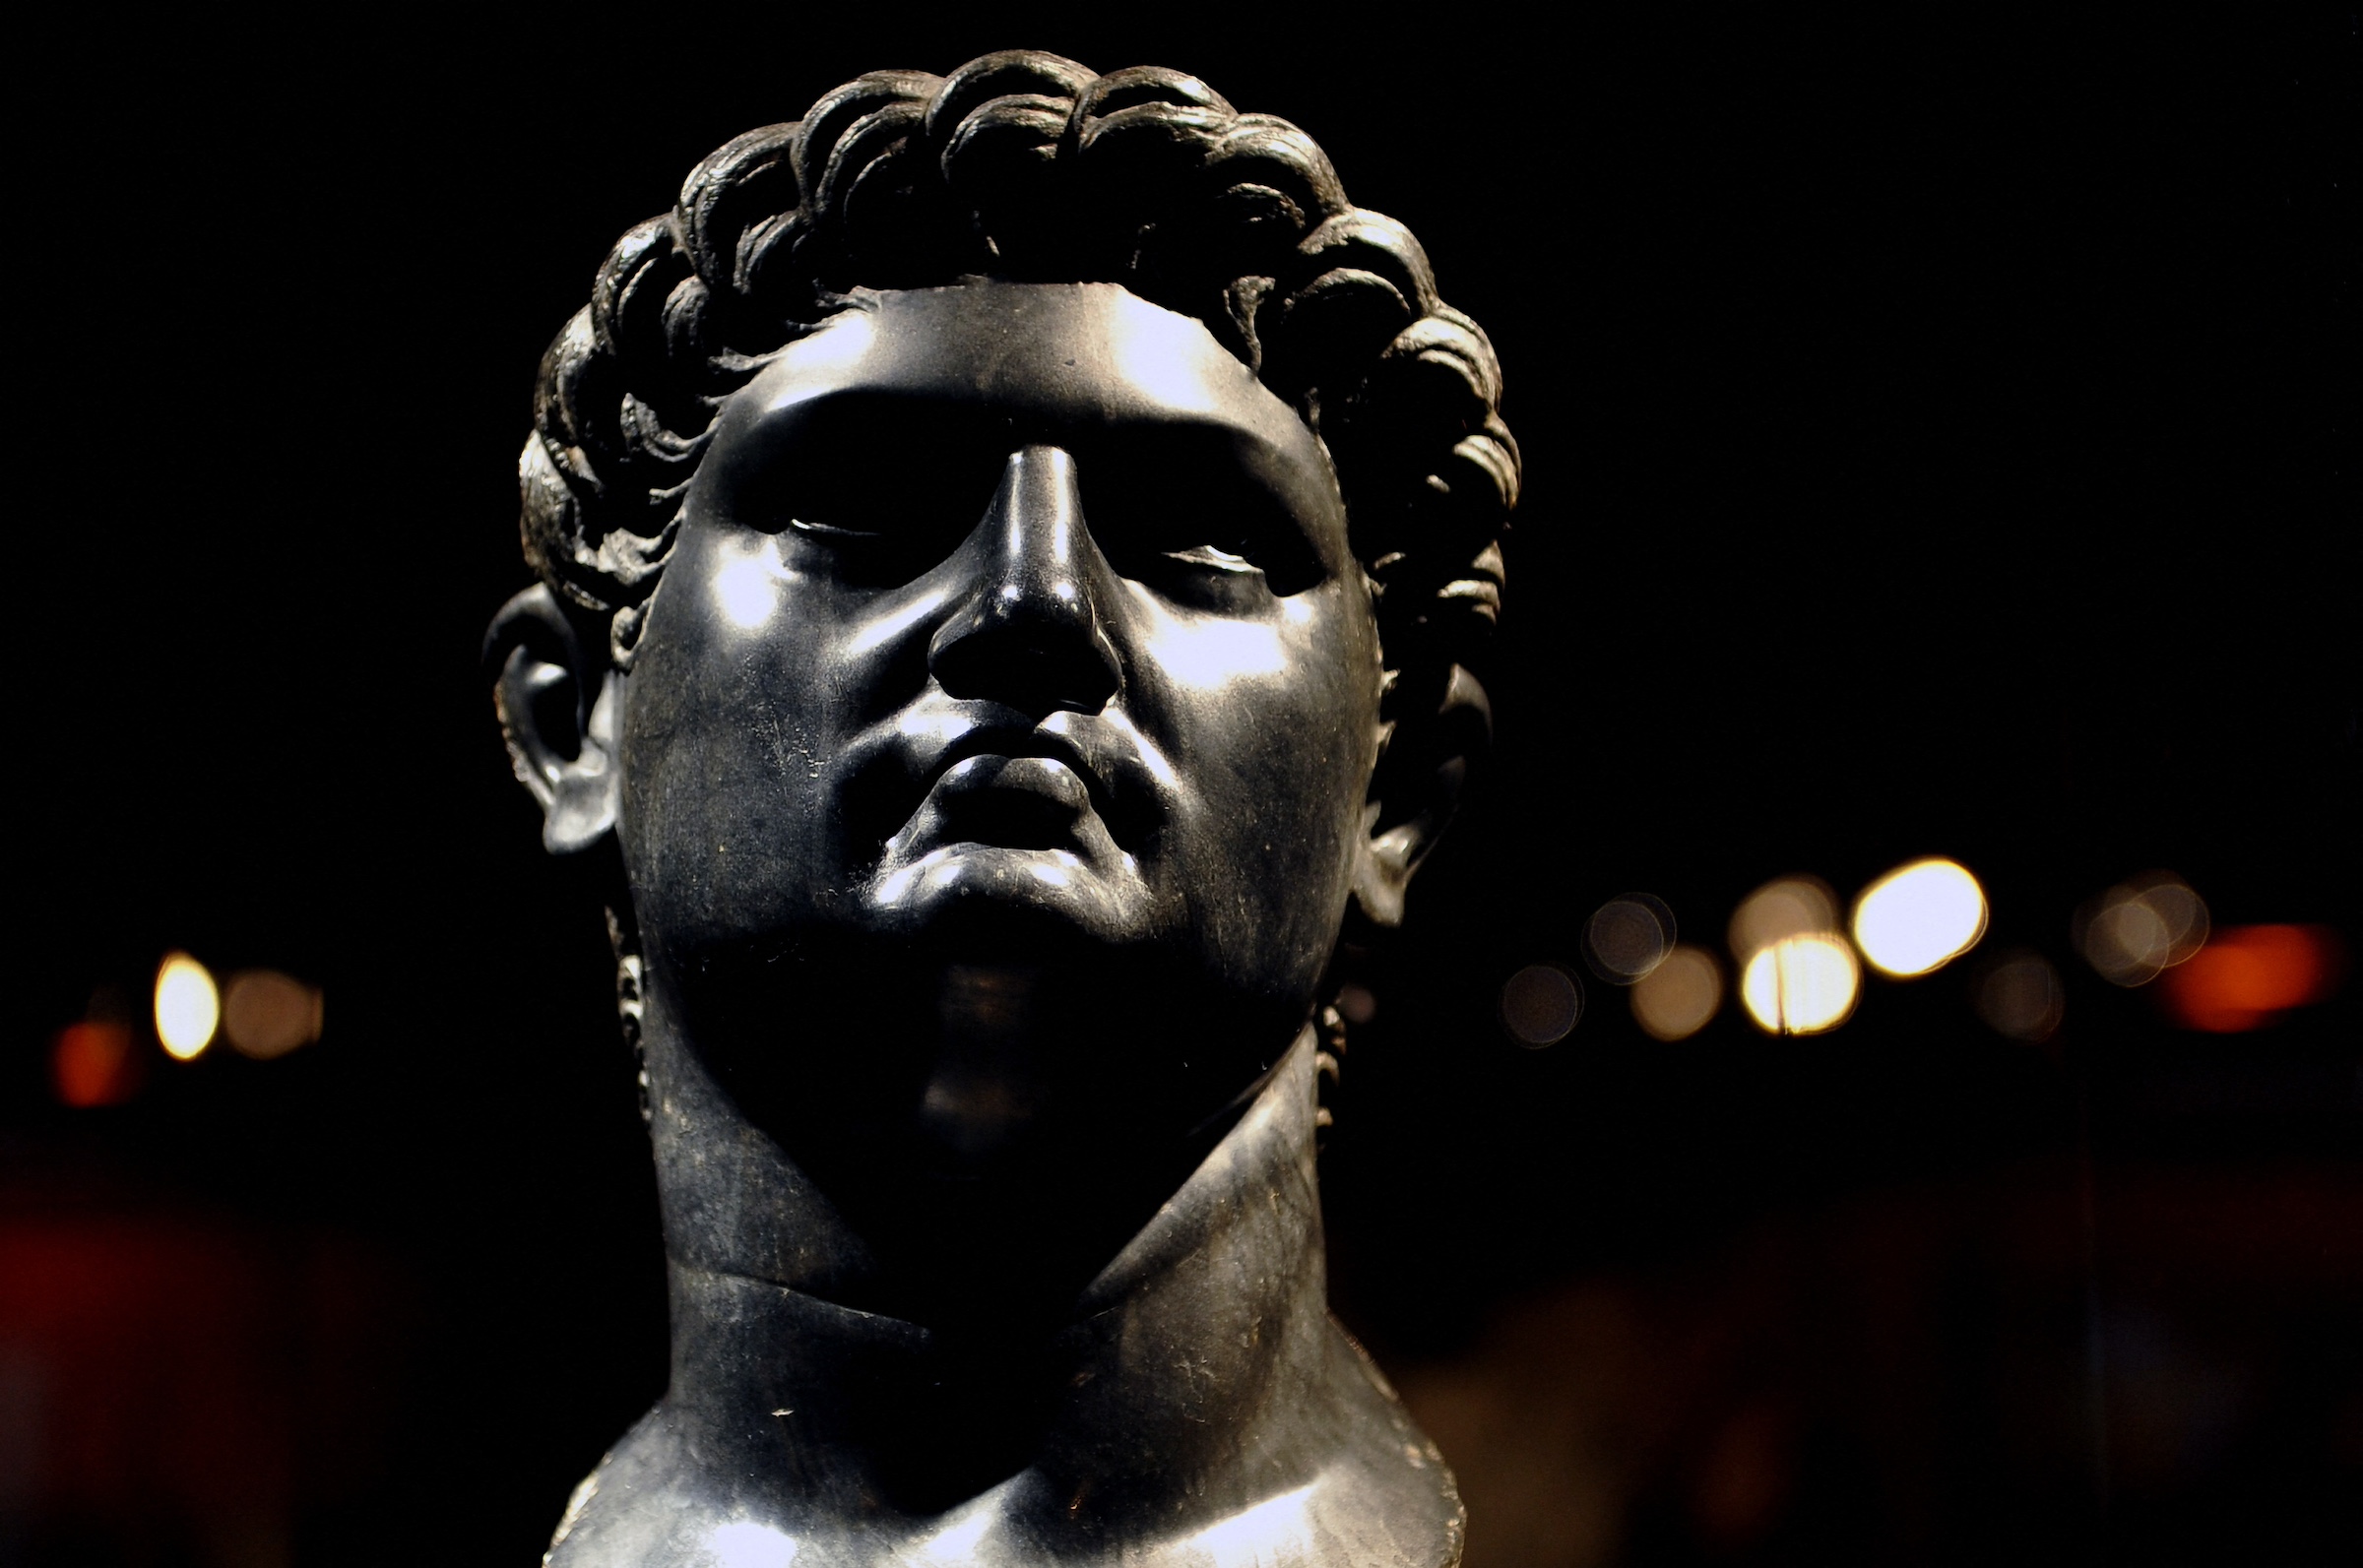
(188, 1006)
(1678, 998)
(1919, 918)
(1800, 984)
(1786, 908)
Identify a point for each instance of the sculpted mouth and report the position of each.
(1009, 742)
(1023, 802)
(939, 776)
(978, 770)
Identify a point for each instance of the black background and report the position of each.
(1939, 439)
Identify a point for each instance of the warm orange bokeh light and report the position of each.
(267, 1013)
(92, 1064)
(2250, 975)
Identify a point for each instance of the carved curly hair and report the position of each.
(1025, 166)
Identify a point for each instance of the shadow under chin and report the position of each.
(995, 1128)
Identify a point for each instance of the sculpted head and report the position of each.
(1011, 549)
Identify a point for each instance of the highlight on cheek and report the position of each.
(894, 623)
(746, 588)
(1214, 651)
(1151, 756)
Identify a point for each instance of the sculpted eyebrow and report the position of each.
(867, 416)
(846, 440)
(854, 422)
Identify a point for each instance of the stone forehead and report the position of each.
(1096, 345)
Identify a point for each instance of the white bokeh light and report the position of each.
(1800, 984)
(188, 1006)
(1919, 918)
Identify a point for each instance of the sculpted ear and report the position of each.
(1413, 793)
(559, 714)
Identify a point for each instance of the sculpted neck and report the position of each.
(1160, 1383)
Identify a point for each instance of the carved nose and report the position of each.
(1030, 635)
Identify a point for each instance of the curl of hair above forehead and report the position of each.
(1025, 166)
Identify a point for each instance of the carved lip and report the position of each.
(1094, 774)
(1022, 803)
(1015, 740)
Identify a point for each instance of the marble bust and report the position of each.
(1011, 549)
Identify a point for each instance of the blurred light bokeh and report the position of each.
(2139, 929)
(1791, 907)
(1541, 1005)
(1627, 937)
(1680, 996)
(94, 1063)
(188, 1006)
(2020, 995)
(267, 1013)
(1800, 984)
(1919, 918)
(2247, 976)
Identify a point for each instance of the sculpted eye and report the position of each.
(1213, 577)
(1214, 555)
(894, 552)
(831, 530)
(1192, 514)
(864, 490)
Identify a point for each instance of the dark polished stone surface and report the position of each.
(990, 663)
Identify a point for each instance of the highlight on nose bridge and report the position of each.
(1041, 505)
(1030, 635)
